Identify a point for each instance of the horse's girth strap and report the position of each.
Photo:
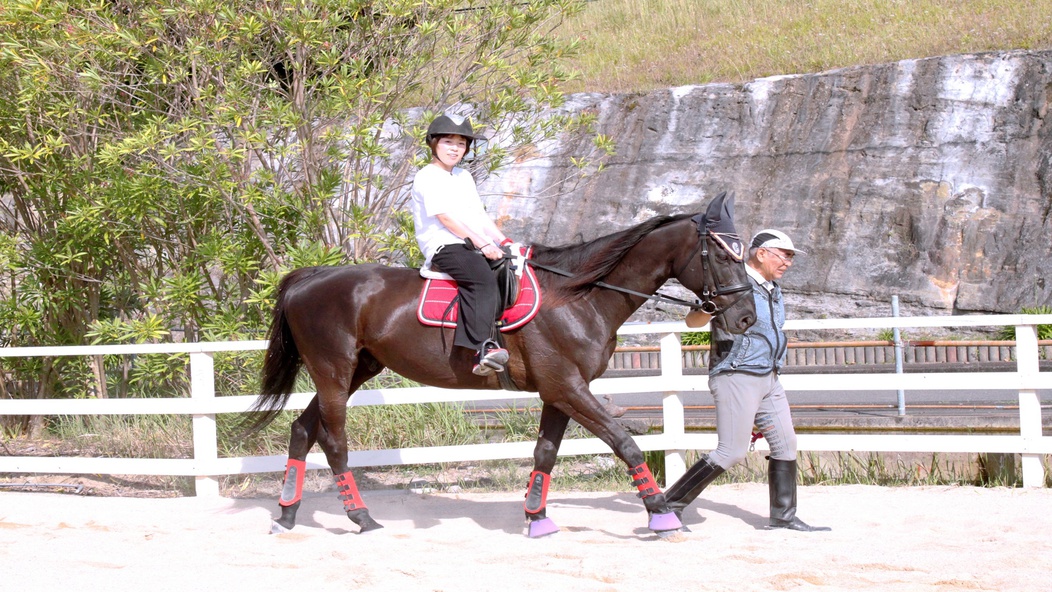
(347, 491)
(292, 488)
(537, 492)
(643, 479)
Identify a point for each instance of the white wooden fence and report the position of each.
(203, 405)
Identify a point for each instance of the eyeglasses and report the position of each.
(788, 260)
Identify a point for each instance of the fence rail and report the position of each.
(203, 406)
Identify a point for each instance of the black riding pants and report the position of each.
(479, 295)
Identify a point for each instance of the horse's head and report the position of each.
(715, 269)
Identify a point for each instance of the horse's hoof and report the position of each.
(542, 527)
(364, 521)
(276, 528)
(663, 522)
(672, 536)
(369, 527)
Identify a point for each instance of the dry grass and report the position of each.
(639, 45)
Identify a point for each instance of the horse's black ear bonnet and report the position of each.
(718, 221)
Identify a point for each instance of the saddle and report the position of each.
(507, 281)
(520, 295)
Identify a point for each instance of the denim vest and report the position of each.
(761, 349)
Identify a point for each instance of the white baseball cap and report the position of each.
(770, 238)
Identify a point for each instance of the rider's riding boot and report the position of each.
(491, 358)
(781, 480)
(688, 487)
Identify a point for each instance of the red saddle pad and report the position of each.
(434, 307)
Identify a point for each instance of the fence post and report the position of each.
(206, 448)
(897, 336)
(1029, 405)
(672, 407)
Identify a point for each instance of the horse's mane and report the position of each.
(592, 261)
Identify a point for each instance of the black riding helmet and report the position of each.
(444, 125)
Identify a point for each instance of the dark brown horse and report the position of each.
(346, 324)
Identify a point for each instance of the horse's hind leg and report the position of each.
(332, 437)
(550, 436)
(304, 434)
(307, 430)
(335, 449)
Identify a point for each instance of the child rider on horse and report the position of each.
(457, 238)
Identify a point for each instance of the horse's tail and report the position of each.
(280, 365)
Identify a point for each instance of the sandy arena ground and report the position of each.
(929, 538)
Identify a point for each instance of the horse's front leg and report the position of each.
(549, 437)
(587, 412)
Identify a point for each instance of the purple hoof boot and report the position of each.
(659, 522)
(542, 527)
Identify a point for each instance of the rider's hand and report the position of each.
(509, 247)
(491, 251)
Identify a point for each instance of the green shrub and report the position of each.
(1007, 333)
(519, 423)
(886, 335)
(696, 338)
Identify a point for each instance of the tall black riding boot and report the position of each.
(781, 479)
(688, 487)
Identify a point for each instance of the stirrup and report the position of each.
(493, 354)
(486, 366)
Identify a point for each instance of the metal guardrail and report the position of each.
(851, 356)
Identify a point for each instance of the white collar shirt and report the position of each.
(768, 285)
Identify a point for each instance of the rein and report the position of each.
(657, 297)
(706, 305)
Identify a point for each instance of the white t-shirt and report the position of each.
(454, 194)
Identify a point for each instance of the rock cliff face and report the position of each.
(928, 179)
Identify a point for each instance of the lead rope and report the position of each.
(752, 444)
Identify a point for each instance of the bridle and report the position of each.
(707, 302)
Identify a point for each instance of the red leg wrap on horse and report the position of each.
(644, 480)
(292, 488)
(537, 492)
(347, 491)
